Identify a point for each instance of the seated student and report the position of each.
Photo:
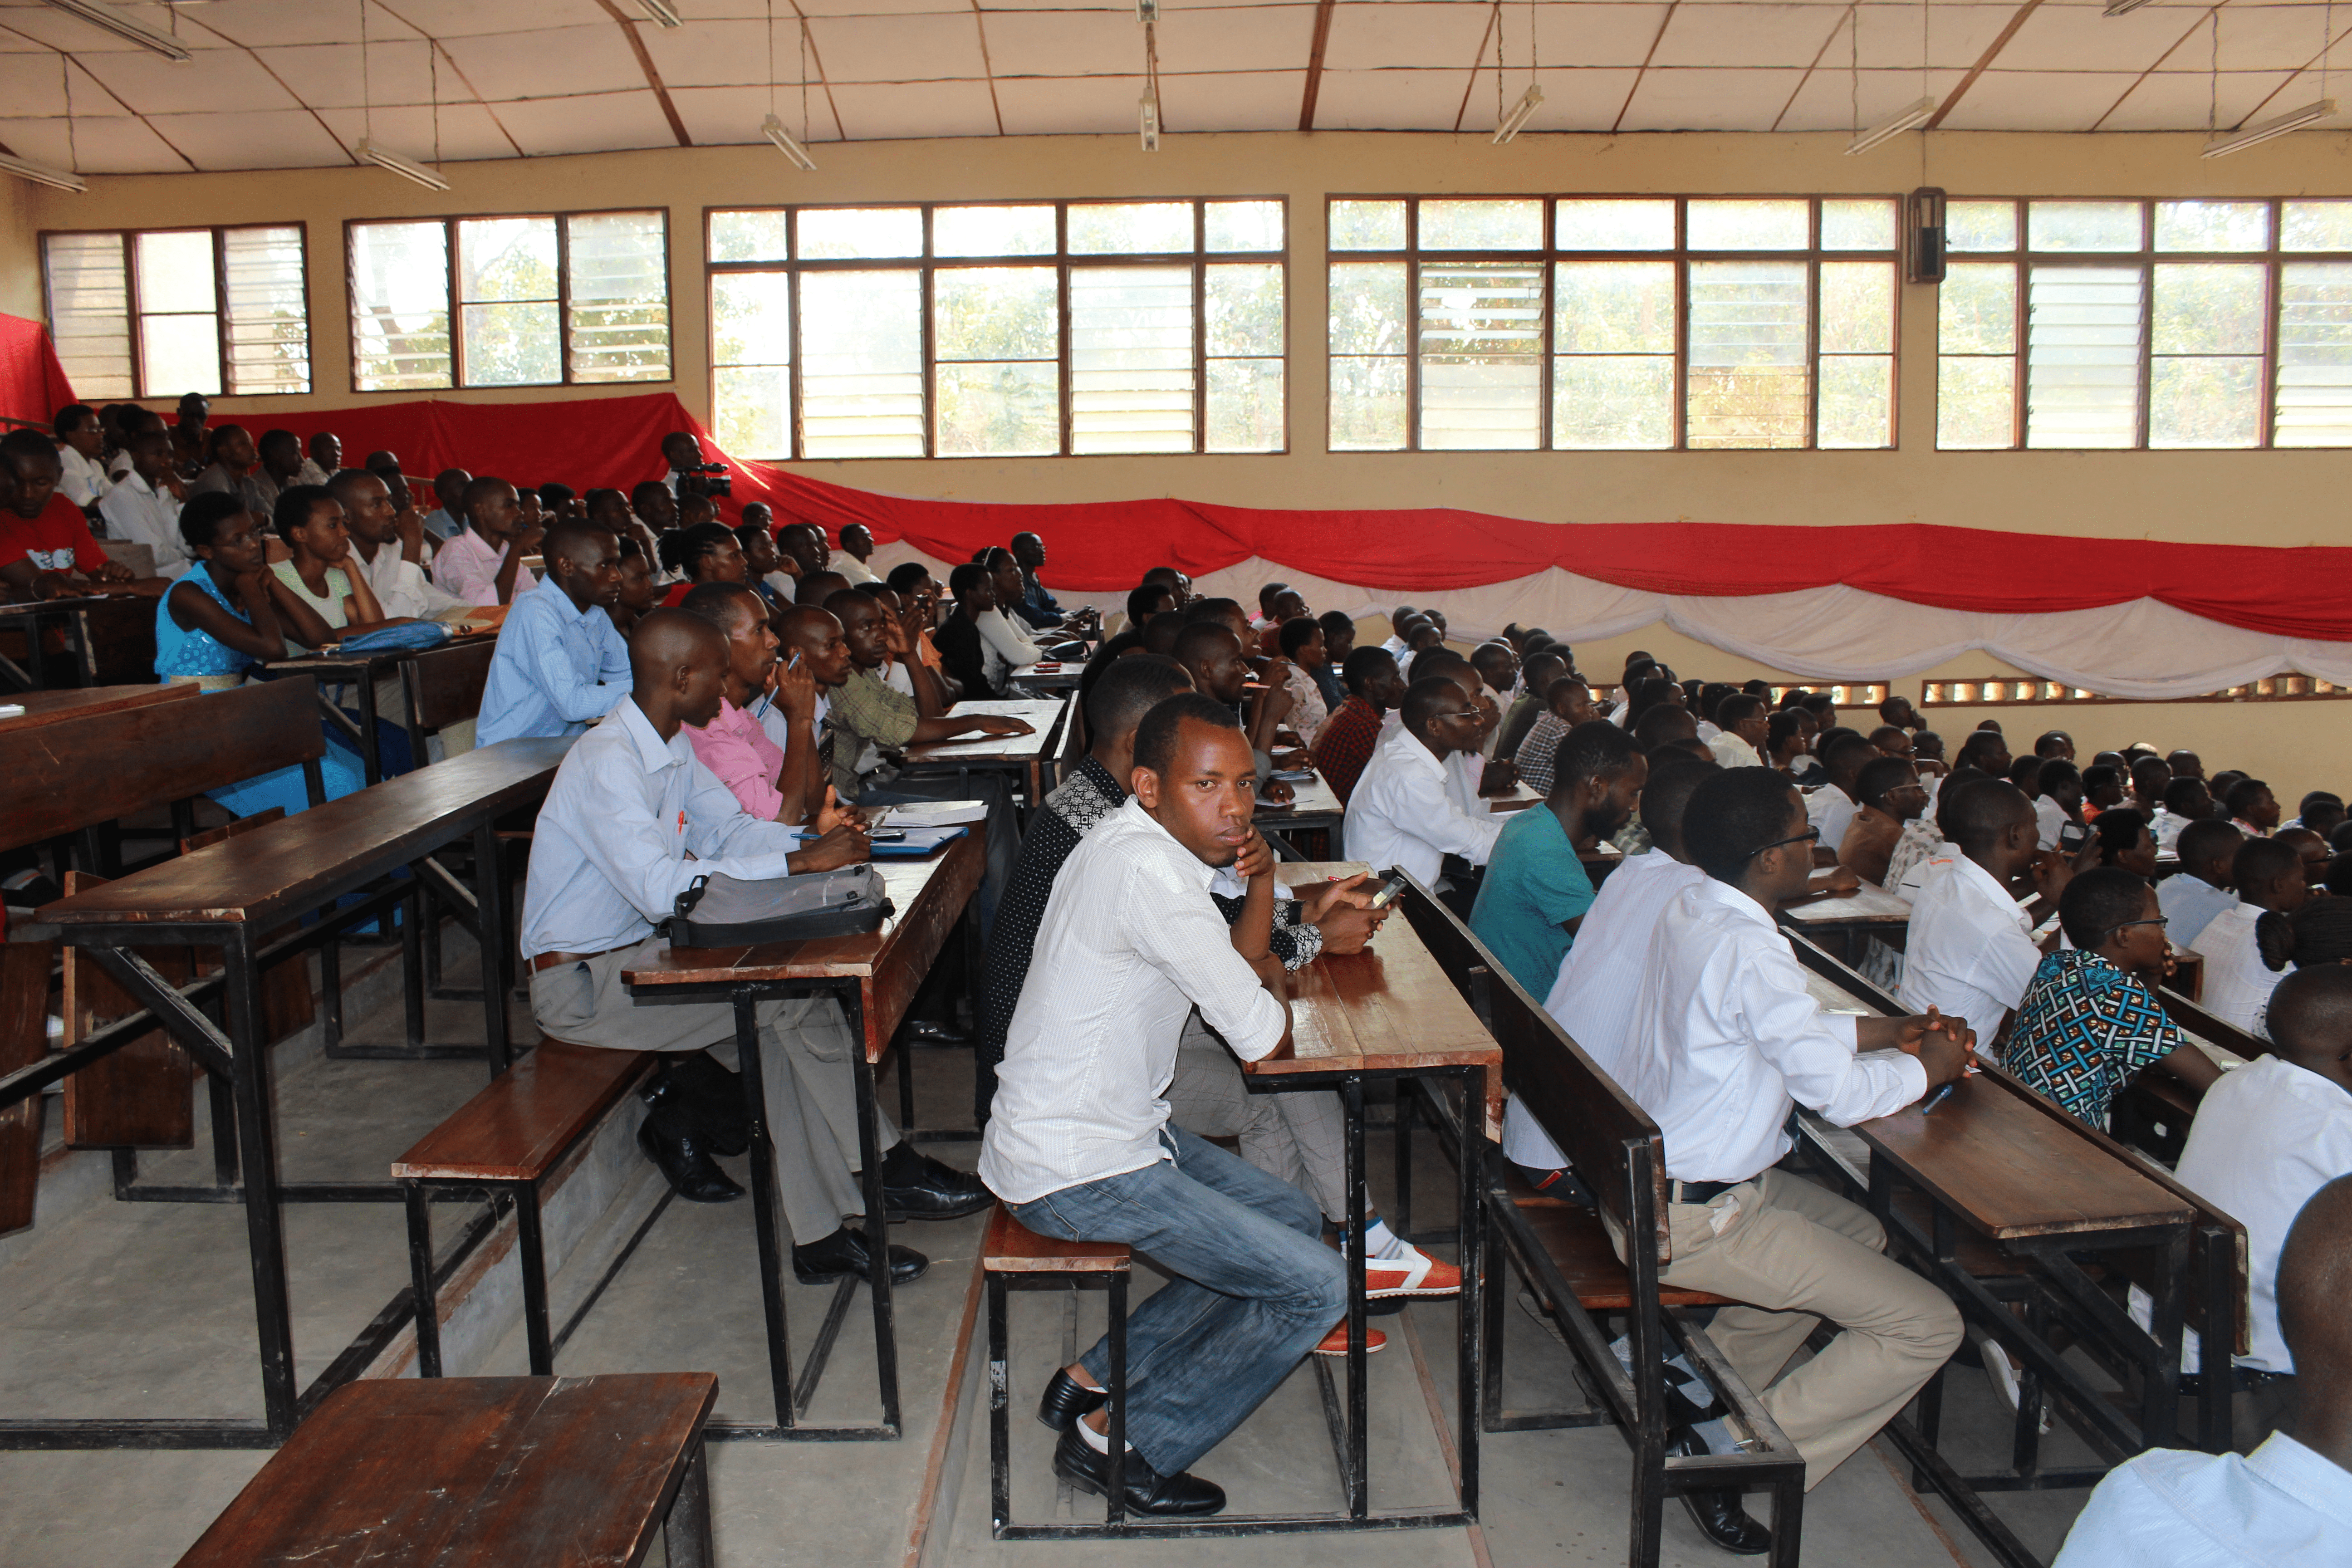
(2090, 1019)
(2058, 806)
(640, 590)
(2103, 790)
(2184, 763)
(1007, 635)
(775, 780)
(609, 858)
(447, 521)
(964, 656)
(2310, 849)
(1892, 801)
(1420, 634)
(1471, 781)
(1742, 731)
(2320, 811)
(142, 506)
(2239, 979)
(1892, 741)
(1287, 604)
(2253, 808)
(1143, 602)
(560, 664)
(2289, 1503)
(2185, 801)
(1831, 807)
(382, 551)
(2219, 785)
(1787, 746)
(656, 509)
(1539, 671)
(701, 553)
(47, 551)
(82, 443)
(1339, 642)
(1725, 1041)
(1536, 890)
(1399, 618)
(1402, 812)
(1210, 652)
(325, 458)
(232, 467)
(482, 565)
(2054, 745)
(1985, 749)
(1301, 640)
(2124, 841)
(1568, 702)
(760, 562)
(1031, 602)
(316, 589)
(1970, 952)
(2200, 890)
(1347, 738)
(856, 550)
(2148, 778)
(1498, 670)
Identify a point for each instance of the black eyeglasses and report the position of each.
(1809, 836)
(2129, 924)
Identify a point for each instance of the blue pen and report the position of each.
(1938, 1098)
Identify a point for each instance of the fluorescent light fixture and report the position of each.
(2117, 7)
(113, 19)
(368, 151)
(1147, 12)
(661, 11)
(773, 129)
(41, 175)
(1521, 111)
(1911, 118)
(1149, 128)
(2279, 125)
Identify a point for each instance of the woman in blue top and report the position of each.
(215, 623)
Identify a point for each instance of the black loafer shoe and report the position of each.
(1065, 1400)
(689, 1168)
(1718, 1514)
(847, 1251)
(916, 1186)
(931, 1032)
(1148, 1491)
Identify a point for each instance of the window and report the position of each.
(1008, 329)
(537, 301)
(2175, 325)
(160, 312)
(2006, 692)
(1611, 323)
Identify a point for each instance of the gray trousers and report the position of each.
(804, 1067)
(1300, 1136)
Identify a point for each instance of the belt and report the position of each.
(553, 960)
(1698, 1192)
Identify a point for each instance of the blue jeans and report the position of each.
(1254, 1288)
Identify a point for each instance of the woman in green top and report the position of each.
(314, 595)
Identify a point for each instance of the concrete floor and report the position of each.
(146, 1308)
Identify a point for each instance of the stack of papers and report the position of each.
(935, 812)
(918, 842)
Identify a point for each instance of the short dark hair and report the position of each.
(1662, 724)
(29, 443)
(1982, 743)
(1732, 817)
(2260, 862)
(70, 417)
(1880, 736)
(1337, 623)
(270, 439)
(2025, 772)
(295, 505)
(2098, 900)
(1143, 597)
(966, 577)
(1129, 687)
(2317, 936)
(1876, 778)
(1426, 697)
(1595, 750)
(1364, 665)
(722, 603)
(904, 576)
(2057, 773)
(2207, 840)
(201, 519)
(1667, 791)
(1738, 709)
(1155, 734)
(1161, 632)
(2240, 798)
(1296, 633)
(2052, 740)
(1982, 811)
(2311, 1009)
(2118, 828)
(2099, 774)
(2184, 795)
(2146, 763)
(1710, 698)
(1849, 750)
(1201, 610)
(682, 547)
(1199, 640)
(2318, 798)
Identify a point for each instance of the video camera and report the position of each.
(711, 479)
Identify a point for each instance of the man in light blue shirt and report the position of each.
(447, 521)
(560, 663)
(2191, 897)
(2289, 1503)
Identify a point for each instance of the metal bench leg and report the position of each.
(1406, 1112)
(999, 1435)
(534, 1280)
(420, 1280)
(412, 963)
(330, 995)
(1115, 1386)
(686, 1533)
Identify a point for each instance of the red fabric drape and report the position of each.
(33, 384)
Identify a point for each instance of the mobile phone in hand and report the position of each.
(1388, 891)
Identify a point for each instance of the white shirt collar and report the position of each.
(1142, 820)
(653, 753)
(1410, 752)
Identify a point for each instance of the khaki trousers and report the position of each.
(804, 1067)
(1798, 1254)
(1300, 1136)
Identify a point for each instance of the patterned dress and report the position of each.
(2084, 1029)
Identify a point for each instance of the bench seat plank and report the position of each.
(1014, 1248)
(517, 1127)
(1579, 1246)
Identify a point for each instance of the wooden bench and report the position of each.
(507, 1138)
(442, 687)
(481, 1472)
(1570, 1261)
(1015, 1258)
(2154, 1110)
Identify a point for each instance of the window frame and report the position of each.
(928, 263)
(131, 312)
(561, 220)
(1680, 256)
(2022, 258)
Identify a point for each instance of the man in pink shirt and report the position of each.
(483, 563)
(775, 782)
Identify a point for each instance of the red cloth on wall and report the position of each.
(33, 384)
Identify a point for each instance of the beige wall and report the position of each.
(2271, 497)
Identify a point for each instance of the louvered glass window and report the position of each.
(400, 306)
(1481, 355)
(617, 316)
(160, 312)
(2083, 332)
(2315, 355)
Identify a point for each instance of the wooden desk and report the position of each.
(1025, 757)
(1517, 798)
(874, 977)
(80, 701)
(1049, 674)
(1314, 813)
(361, 671)
(482, 1472)
(81, 626)
(1840, 923)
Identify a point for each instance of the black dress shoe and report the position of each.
(687, 1166)
(693, 1091)
(1148, 1491)
(932, 1033)
(1718, 1514)
(1066, 1399)
(847, 1251)
(916, 1186)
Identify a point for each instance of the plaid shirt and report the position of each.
(1345, 743)
(2082, 1030)
(1539, 750)
(864, 708)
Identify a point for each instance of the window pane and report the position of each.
(1005, 409)
(1980, 225)
(2315, 226)
(267, 314)
(2082, 225)
(1614, 307)
(1480, 225)
(751, 402)
(1747, 382)
(1137, 228)
(1976, 403)
(619, 297)
(992, 231)
(862, 364)
(995, 314)
(1857, 307)
(1858, 226)
(506, 258)
(2210, 308)
(175, 272)
(1857, 401)
(1481, 338)
(751, 334)
(1130, 359)
(1600, 402)
(180, 354)
(1975, 308)
(2205, 402)
(2082, 338)
(512, 345)
(1244, 307)
(748, 237)
(2212, 226)
(1368, 308)
(1243, 226)
(832, 232)
(1367, 225)
(1614, 226)
(2314, 405)
(1367, 404)
(1244, 405)
(89, 311)
(399, 305)
(1748, 225)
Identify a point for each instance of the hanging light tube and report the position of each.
(1521, 112)
(2117, 7)
(114, 20)
(2279, 125)
(406, 168)
(1911, 118)
(661, 11)
(40, 175)
(1148, 130)
(773, 129)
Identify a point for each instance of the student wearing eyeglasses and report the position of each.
(1402, 814)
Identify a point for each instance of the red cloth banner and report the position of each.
(33, 384)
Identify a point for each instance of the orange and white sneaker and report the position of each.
(1414, 1274)
(1336, 1342)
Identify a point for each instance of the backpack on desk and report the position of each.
(720, 910)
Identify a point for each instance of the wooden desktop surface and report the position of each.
(81, 701)
(1869, 904)
(1029, 748)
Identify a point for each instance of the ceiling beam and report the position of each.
(433, 45)
(109, 92)
(283, 84)
(811, 55)
(1478, 63)
(629, 26)
(1655, 39)
(1983, 62)
(2316, 59)
(979, 26)
(1323, 9)
(1849, 20)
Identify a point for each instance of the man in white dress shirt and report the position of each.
(393, 564)
(1971, 951)
(1078, 1142)
(2289, 1503)
(1402, 811)
(1831, 807)
(141, 506)
(82, 478)
(1744, 724)
(1725, 1041)
(2268, 876)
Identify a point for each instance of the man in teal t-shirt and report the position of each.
(1536, 889)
